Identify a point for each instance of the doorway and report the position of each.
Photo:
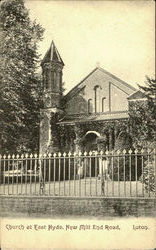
(90, 144)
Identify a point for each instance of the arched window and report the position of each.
(103, 104)
(97, 104)
(55, 79)
(46, 79)
(60, 81)
(52, 79)
(90, 106)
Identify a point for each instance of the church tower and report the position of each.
(52, 66)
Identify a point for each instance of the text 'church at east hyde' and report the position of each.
(91, 116)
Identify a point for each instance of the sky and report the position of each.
(115, 35)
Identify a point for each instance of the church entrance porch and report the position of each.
(90, 145)
(90, 137)
(93, 142)
(90, 141)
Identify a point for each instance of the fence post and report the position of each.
(112, 169)
(35, 155)
(54, 155)
(142, 169)
(96, 171)
(130, 171)
(79, 171)
(102, 181)
(155, 169)
(64, 173)
(41, 189)
(136, 169)
(59, 173)
(49, 171)
(118, 157)
(75, 162)
(69, 166)
(22, 157)
(1, 174)
(85, 171)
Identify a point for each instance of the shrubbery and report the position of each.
(148, 174)
(124, 168)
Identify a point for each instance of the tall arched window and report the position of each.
(52, 79)
(58, 80)
(103, 104)
(90, 106)
(55, 79)
(97, 101)
(46, 79)
(60, 73)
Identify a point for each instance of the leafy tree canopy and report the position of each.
(150, 89)
(143, 116)
(19, 82)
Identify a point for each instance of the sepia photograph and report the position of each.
(77, 124)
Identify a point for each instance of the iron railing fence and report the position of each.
(106, 174)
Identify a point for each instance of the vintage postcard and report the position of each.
(78, 124)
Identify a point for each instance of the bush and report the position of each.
(124, 165)
(148, 176)
(124, 168)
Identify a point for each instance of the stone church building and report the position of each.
(90, 116)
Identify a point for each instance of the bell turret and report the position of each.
(52, 66)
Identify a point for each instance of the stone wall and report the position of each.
(41, 206)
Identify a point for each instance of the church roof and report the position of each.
(127, 88)
(137, 95)
(83, 118)
(52, 55)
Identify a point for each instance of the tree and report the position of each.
(150, 89)
(124, 164)
(143, 121)
(143, 116)
(19, 82)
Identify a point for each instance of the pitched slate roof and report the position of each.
(123, 85)
(137, 95)
(83, 118)
(52, 55)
